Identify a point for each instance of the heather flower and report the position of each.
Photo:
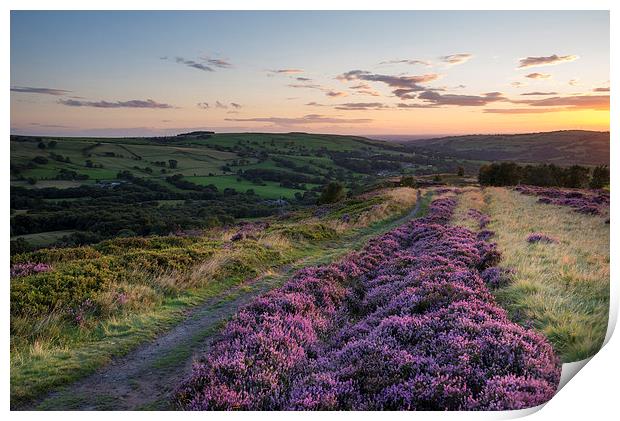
(406, 323)
(29, 268)
(590, 202)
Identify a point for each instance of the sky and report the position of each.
(367, 73)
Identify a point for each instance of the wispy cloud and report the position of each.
(328, 91)
(334, 94)
(193, 64)
(436, 98)
(53, 126)
(522, 110)
(303, 79)
(134, 103)
(545, 61)
(405, 85)
(221, 105)
(538, 76)
(203, 105)
(307, 119)
(403, 105)
(235, 105)
(536, 93)
(600, 90)
(593, 102)
(573, 82)
(285, 71)
(361, 106)
(518, 84)
(406, 61)
(45, 91)
(454, 59)
(218, 62)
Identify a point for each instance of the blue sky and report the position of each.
(94, 72)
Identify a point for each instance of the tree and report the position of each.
(173, 163)
(600, 177)
(577, 177)
(333, 192)
(41, 145)
(460, 171)
(52, 144)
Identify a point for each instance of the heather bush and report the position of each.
(26, 269)
(407, 323)
(590, 202)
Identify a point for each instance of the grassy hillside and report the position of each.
(81, 306)
(218, 159)
(78, 191)
(560, 147)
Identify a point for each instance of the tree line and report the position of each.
(544, 175)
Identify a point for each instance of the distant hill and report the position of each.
(565, 147)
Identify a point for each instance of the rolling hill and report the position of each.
(565, 147)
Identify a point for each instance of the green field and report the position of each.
(271, 189)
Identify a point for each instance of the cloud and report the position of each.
(600, 90)
(221, 105)
(436, 98)
(134, 103)
(412, 62)
(335, 94)
(235, 105)
(522, 110)
(538, 76)
(328, 91)
(303, 79)
(315, 104)
(361, 106)
(404, 85)
(539, 93)
(193, 64)
(573, 82)
(591, 102)
(53, 126)
(217, 62)
(403, 105)
(545, 61)
(203, 105)
(455, 59)
(45, 91)
(286, 71)
(518, 84)
(306, 85)
(307, 119)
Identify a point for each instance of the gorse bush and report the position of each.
(407, 323)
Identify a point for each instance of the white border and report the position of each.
(592, 394)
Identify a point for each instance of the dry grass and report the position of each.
(471, 198)
(563, 289)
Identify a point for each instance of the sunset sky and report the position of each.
(419, 73)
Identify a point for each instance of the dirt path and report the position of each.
(147, 377)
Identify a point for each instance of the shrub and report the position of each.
(333, 192)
